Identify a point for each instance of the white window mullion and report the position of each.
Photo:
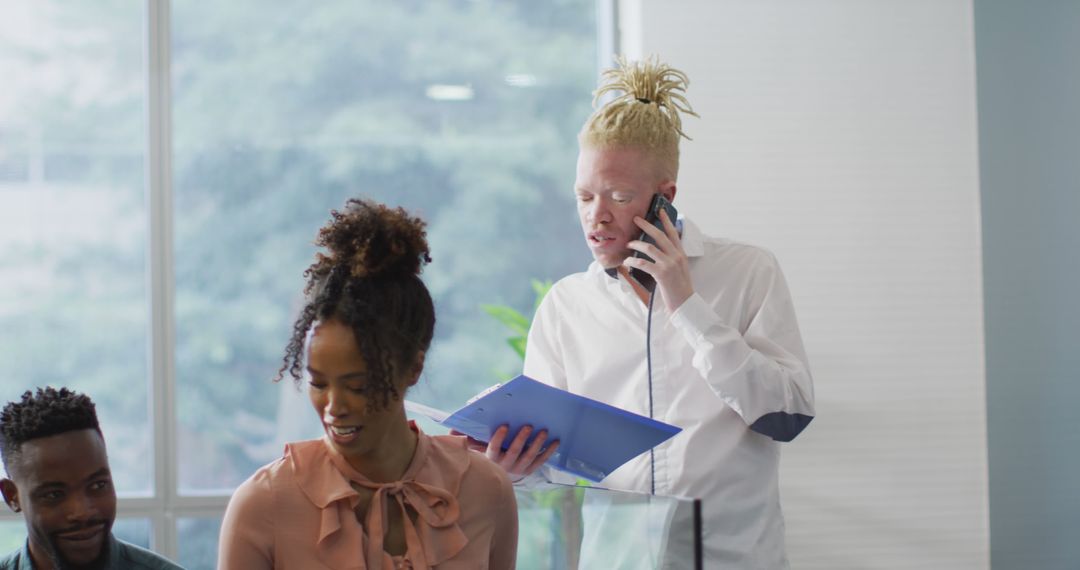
(159, 194)
(607, 33)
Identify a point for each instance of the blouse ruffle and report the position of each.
(342, 542)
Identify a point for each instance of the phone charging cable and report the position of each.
(648, 365)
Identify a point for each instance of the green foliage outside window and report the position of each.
(518, 323)
(280, 112)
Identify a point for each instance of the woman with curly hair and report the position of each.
(375, 492)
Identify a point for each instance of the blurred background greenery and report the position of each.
(463, 111)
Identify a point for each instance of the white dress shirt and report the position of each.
(728, 367)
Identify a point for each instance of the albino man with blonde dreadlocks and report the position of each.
(726, 363)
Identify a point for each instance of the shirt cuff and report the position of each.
(714, 342)
(694, 318)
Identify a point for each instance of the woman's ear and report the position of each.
(418, 367)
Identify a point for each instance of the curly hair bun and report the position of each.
(373, 241)
(368, 278)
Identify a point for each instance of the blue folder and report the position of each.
(595, 438)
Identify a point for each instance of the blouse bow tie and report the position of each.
(437, 511)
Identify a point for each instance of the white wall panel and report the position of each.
(842, 136)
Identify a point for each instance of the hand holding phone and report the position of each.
(652, 216)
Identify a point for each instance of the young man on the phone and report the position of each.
(727, 362)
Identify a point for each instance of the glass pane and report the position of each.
(198, 542)
(12, 535)
(465, 112)
(588, 527)
(73, 306)
(135, 531)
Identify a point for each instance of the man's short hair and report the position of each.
(47, 412)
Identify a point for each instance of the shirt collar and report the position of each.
(693, 242)
(27, 563)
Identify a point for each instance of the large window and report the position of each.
(73, 225)
(164, 168)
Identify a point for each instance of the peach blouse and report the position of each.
(300, 512)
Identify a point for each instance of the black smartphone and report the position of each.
(659, 202)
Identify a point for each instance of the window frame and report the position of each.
(165, 506)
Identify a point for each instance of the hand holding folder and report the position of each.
(595, 438)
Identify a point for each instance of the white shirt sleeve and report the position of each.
(543, 363)
(543, 353)
(761, 372)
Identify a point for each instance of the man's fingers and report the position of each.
(663, 241)
(507, 459)
(646, 248)
(526, 458)
(670, 229)
(648, 228)
(518, 460)
(494, 448)
(514, 451)
(543, 457)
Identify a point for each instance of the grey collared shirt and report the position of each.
(122, 556)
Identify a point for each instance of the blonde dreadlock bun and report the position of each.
(646, 113)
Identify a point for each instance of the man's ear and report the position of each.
(668, 189)
(11, 494)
